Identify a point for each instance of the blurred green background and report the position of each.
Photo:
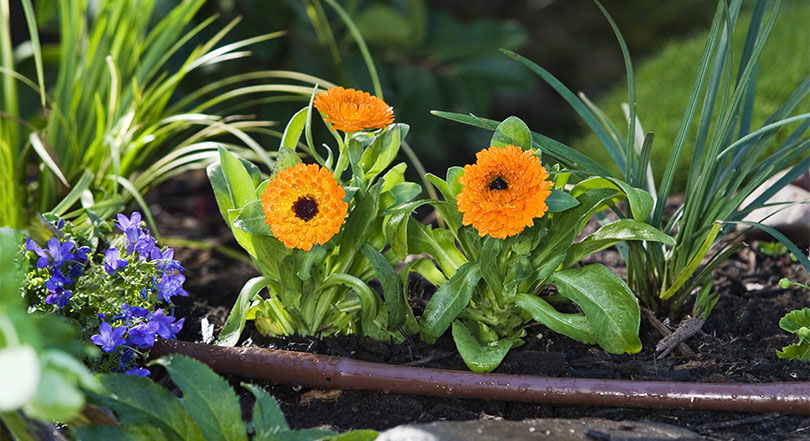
(443, 54)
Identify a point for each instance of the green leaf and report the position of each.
(207, 397)
(437, 242)
(611, 308)
(641, 203)
(795, 320)
(306, 259)
(796, 351)
(357, 435)
(395, 227)
(478, 357)
(489, 264)
(358, 225)
(394, 177)
(453, 183)
(139, 400)
(251, 219)
(405, 191)
(239, 183)
(559, 201)
(449, 300)
(292, 133)
(395, 300)
(106, 433)
(387, 145)
(285, 159)
(512, 131)
(236, 318)
(575, 326)
(613, 233)
(267, 416)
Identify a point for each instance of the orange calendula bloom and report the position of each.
(304, 205)
(350, 110)
(504, 191)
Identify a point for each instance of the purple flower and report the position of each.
(30, 245)
(145, 245)
(166, 262)
(113, 261)
(170, 286)
(75, 271)
(81, 254)
(59, 297)
(57, 281)
(131, 227)
(144, 293)
(59, 252)
(109, 338)
(134, 311)
(138, 372)
(166, 325)
(176, 327)
(142, 336)
(102, 316)
(60, 224)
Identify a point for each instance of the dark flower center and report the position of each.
(498, 184)
(305, 208)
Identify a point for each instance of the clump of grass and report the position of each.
(663, 83)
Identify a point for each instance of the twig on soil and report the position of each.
(686, 329)
(662, 329)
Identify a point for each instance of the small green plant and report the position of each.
(796, 322)
(728, 163)
(315, 266)
(209, 410)
(515, 230)
(43, 376)
(772, 249)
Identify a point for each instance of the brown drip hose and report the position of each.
(330, 372)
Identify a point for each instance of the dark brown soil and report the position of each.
(737, 344)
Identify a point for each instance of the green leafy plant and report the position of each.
(728, 161)
(323, 289)
(796, 322)
(40, 356)
(111, 124)
(209, 410)
(490, 288)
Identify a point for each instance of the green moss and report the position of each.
(663, 84)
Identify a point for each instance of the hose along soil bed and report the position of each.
(737, 345)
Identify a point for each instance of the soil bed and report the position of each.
(737, 344)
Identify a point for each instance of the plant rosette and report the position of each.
(511, 232)
(121, 299)
(315, 231)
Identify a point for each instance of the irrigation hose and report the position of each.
(330, 372)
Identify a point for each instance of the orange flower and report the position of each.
(503, 191)
(350, 110)
(304, 205)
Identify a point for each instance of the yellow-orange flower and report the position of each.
(304, 205)
(350, 110)
(504, 191)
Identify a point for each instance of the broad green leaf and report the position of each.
(118, 433)
(489, 264)
(438, 242)
(641, 203)
(240, 184)
(449, 300)
(267, 416)
(292, 133)
(512, 131)
(395, 227)
(478, 357)
(796, 351)
(559, 201)
(405, 191)
(395, 300)
(394, 177)
(453, 183)
(139, 400)
(389, 144)
(251, 219)
(357, 225)
(795, 320)
(207, 397)
(613, 233)
(236, 318)
(610, 307)
(575, 326)
(306, 259)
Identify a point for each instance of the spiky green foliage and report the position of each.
(110, 123)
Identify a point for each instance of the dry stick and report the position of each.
(685, 350)
(683, 332)
(330, 372)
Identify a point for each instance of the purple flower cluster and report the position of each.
(169, 280)
(138, 329)
(65, 263)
